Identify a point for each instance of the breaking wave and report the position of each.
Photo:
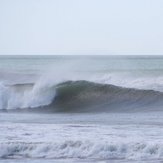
(78, 96)
(83, 150)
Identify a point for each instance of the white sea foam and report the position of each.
(129, 142)
(83, 149)
(39, 95)
(131, 136)
(127, 81)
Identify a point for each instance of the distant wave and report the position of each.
(83, 150)
(78, 96)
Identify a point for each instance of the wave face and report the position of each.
(89, 96)
(78, 96)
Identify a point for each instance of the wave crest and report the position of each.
(79, 96)
(89, 96)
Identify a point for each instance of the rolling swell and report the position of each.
(84, 96)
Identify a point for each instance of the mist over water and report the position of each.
(34, 81)
(81, 108)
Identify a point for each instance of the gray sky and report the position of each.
(81, 27)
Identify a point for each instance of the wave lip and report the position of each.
(82, 150)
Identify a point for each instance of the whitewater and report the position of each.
(81, 109)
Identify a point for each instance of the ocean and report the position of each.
(81, 109)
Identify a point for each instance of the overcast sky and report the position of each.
(81, 27)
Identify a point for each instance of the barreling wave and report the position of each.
(79, 96)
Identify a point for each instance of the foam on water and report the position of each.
(116, 95)
(99, 142)
(84, 150)
(35, 96)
